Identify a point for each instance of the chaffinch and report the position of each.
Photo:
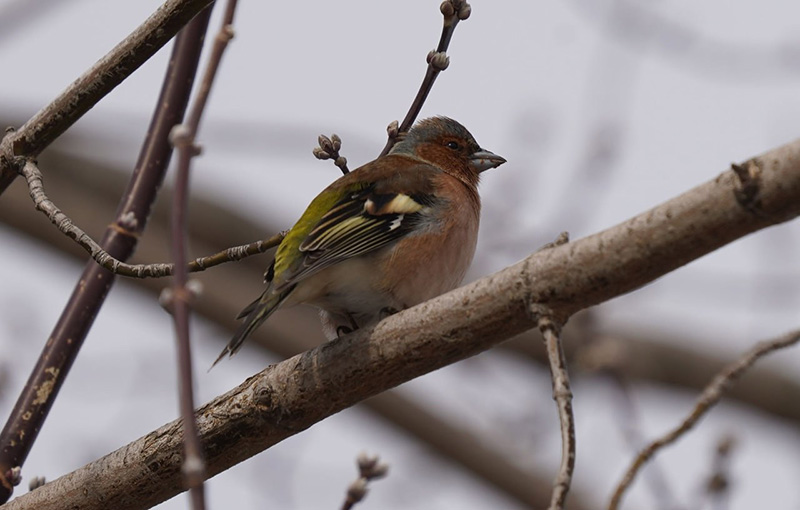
(391, 234)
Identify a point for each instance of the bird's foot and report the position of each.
(385, 312)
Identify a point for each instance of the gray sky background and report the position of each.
(603, 109)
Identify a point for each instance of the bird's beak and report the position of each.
(484, 160)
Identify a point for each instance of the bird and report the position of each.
(391, 234)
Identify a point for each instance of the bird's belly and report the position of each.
(347, 287)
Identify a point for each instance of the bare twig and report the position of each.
(710, 396)
(183, 138)
(369, 468)
(55, 118)
(562, 394)
(453, 11)
(193, 468)
(329, 149)
(121, 237)
(33, 176)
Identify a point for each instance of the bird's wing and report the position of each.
(360, 222)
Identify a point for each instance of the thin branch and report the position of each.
(183, 138)
(64, 343)
(193, 468)
(369, 468)
(453, 11)
(82, 94)
(562, 394)
(33, 176)
(710, 396)
(287, 398)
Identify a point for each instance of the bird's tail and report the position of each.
(255, 313)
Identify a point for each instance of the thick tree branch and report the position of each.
(289, 397)
(637, 355)
(125, 58)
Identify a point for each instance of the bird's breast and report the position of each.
(435, 259)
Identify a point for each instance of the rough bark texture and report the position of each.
(289, 397)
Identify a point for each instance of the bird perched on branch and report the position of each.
(391, 234)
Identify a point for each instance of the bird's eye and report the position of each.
(453, 145)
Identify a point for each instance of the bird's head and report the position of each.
(447, 144)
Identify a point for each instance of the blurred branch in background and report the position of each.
(640, 25)
(710, 396)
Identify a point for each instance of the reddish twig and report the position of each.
(120, 240)
(708, 398)
(183, 139)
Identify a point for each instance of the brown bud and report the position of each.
(379, 471)
(14, 475)
(440, 61)
(180, 135)
(325, 143)
(366, 463)
(447, 8)
(393, 129)
(36, 482)
(319, 153)
(464, 11)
